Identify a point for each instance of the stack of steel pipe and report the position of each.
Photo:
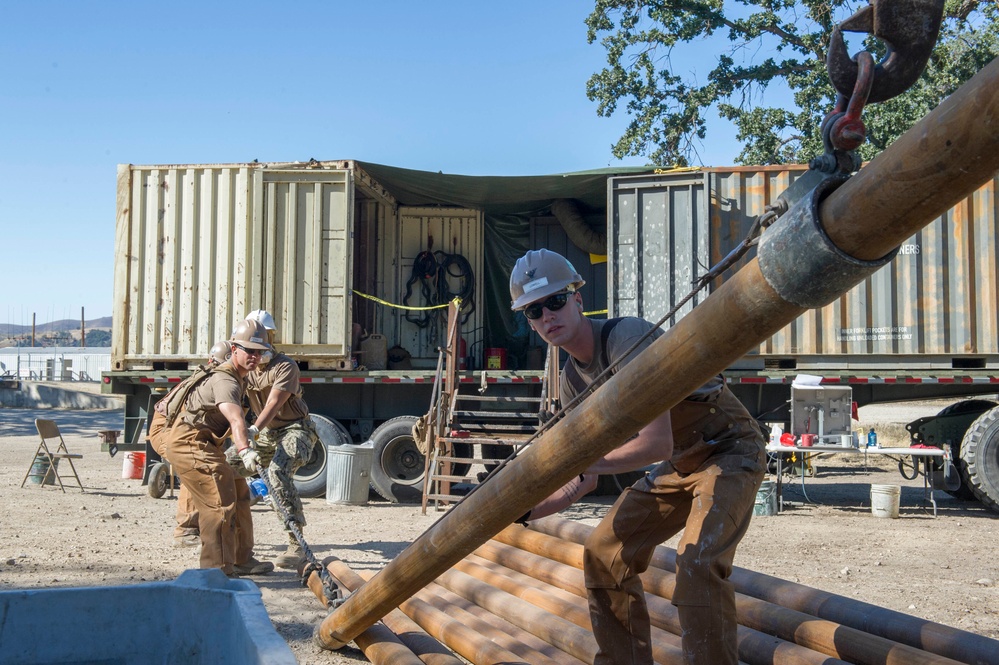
(520, 598)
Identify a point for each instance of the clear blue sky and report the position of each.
(476, 88)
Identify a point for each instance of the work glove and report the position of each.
(252, 433)
(250, 458)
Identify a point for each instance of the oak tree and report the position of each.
(760, 64)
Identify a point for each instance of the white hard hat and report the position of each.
(264, 317)
(539, 274)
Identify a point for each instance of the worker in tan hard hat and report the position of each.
(186, 533)
(198, 420)
(709, 462)
(284, 433)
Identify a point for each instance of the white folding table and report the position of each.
(921, 457)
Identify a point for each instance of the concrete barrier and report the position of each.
(57, 395)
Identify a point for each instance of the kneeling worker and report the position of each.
(286, 433)
(710, 455)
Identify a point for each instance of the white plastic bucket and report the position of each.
(133, 465)
(348, 474)
(766, 499)
(884, 500)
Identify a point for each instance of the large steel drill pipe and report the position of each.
(755, 647)
(826, 637)
(945, 641)
(665, 645)
(944, 158)
(551, 628)
(472, 642)
(509, 636)
(382, 644)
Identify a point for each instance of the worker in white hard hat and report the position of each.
(285, 435)
(709, 459)
(198, 421)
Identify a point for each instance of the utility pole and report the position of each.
(83, 332)
(33, 329)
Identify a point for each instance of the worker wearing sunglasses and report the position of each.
(706, 488)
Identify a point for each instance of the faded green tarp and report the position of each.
(508, 204)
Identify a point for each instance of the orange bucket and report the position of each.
(133, 465)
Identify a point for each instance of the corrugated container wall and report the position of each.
(937, 298)
(450, 234)
(198, 247)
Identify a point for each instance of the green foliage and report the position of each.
(755, 48)
(98, 338)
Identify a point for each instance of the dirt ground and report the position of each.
(939, 568)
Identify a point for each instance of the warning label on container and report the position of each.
(874, 334)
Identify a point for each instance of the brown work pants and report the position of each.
(713, 507)
(221, 498)
(187, 514)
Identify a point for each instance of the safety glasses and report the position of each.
(554, 304)
(249, 352)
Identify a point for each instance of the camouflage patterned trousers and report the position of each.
(283, 452)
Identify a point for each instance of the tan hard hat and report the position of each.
(220, 352)
(251, 335)
(539, 274)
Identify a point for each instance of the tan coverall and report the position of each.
(706, 490)
(222, 499)
(187, 514)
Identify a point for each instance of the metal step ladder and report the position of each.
(468, 429)
(480, 435)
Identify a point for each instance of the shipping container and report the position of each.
(338, 250)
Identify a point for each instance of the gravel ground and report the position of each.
(938, 568)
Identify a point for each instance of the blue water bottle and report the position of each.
(872, 439)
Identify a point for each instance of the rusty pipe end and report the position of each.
(326, 640)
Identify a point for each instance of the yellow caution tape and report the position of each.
(388, 304)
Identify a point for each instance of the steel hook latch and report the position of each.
(909, 29)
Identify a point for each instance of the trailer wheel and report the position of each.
(398, 466)
(980, 458)
(159, 480)
(310, 479)
(964, 492)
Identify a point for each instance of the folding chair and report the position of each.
(47, 430)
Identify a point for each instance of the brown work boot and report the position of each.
(253, 567)
(189, 540)
(292, 557)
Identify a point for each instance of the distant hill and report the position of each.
(11, 329)
(65, 332)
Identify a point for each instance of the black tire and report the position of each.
(964, 492)
(980, 459)
(310, 479)
(398, 467)
(159, 480)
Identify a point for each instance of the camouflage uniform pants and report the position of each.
(282, 452)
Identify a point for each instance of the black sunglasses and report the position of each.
(554, 304)
(249, 352)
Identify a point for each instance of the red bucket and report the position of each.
(133, 465)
